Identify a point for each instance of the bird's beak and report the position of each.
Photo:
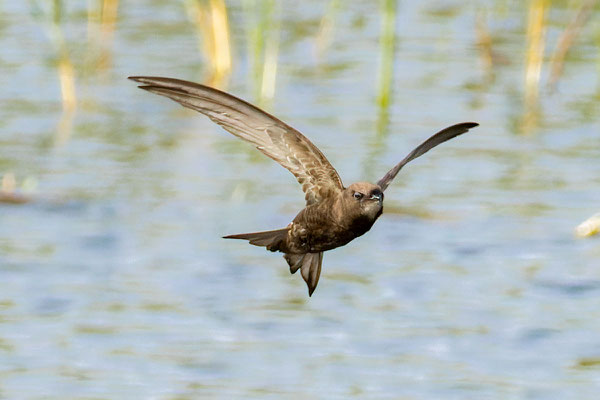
(378, 197)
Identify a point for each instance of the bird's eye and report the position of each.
(358, 195)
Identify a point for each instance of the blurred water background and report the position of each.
(114, 279)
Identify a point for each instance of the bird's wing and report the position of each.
(439, 138)
(271, 136)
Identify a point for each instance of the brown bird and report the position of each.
(334, 215)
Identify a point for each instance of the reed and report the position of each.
(387, 44)
(263, 27)
(385, 82)
(326, 29)
(567, 39)
(485, 45)
(212, 29)
(102, 20)
(51, 21)
(536, 32)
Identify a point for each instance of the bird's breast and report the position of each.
(318, 229)
(361, 225)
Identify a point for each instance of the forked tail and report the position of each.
(309, 264)
(272, 240)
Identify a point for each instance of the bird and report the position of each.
(334, 214)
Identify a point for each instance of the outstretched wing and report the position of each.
(439, 138)
(270, 135)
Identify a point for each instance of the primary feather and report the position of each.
(270, 135)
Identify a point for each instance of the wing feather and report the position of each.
(270, 135)
(439, 138)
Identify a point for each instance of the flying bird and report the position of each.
(334, 214)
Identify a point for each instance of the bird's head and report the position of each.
(366, 198)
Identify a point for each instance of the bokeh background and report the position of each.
(114, 279)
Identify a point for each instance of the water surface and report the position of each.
(114, 279)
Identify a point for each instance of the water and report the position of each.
(114, 279)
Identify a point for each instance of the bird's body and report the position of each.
(334, 215)
(331, 223)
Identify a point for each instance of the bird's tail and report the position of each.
(309, 265)
(272, 240)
